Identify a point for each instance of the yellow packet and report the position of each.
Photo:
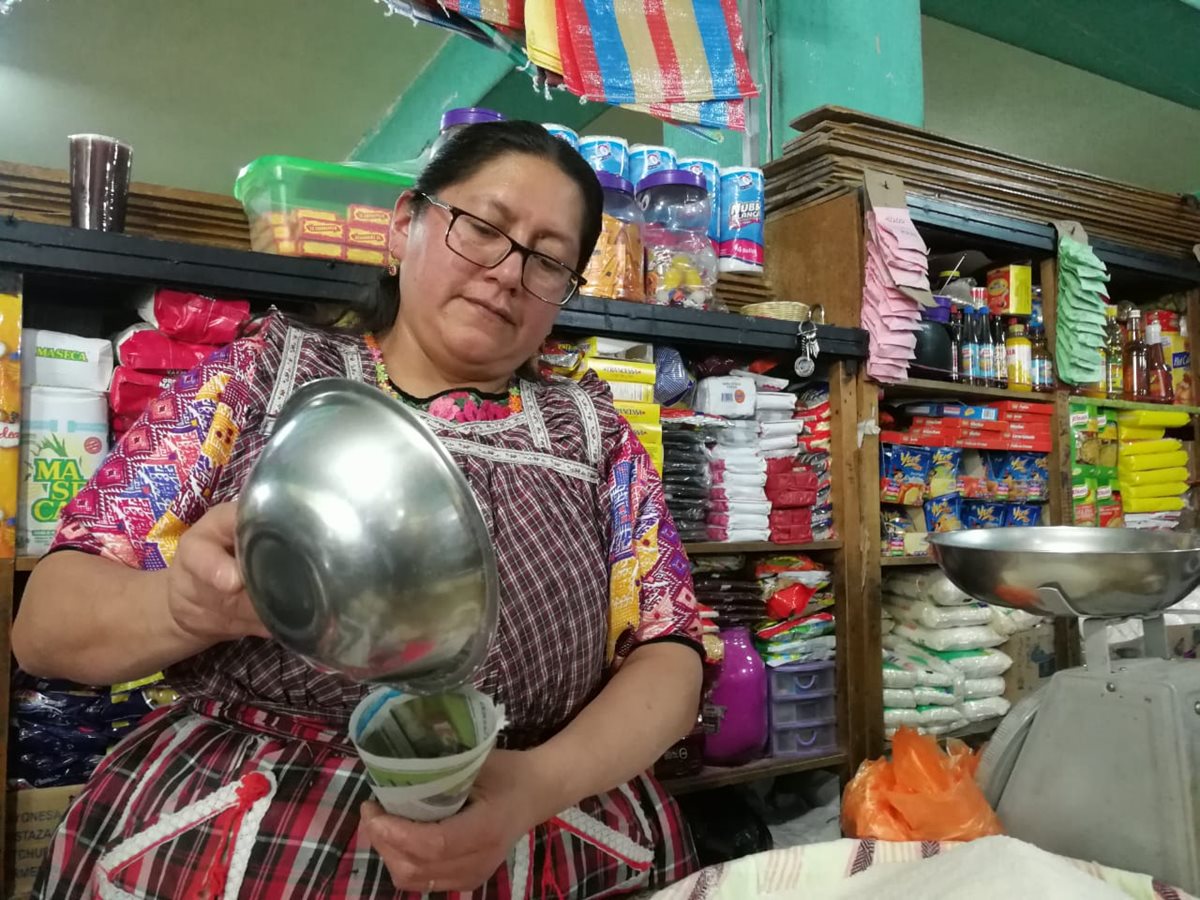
(639, 413)
(1153, 418)
(1152, 476)
(1145, 462)
(620, 370)
(1152, 504)
(1146, 448)
(1146, 491)
(1133, 433)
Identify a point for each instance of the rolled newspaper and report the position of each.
(423, 753)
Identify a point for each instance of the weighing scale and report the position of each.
(1103, 763)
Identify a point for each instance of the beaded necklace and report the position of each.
(461, 405)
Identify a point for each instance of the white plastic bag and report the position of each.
(899, 698)
(733, 398)
(928, 585)
(1012, 621)
(986, 663)
(929, 716)
(969, 638)
(929, 615)
(896, 717)
(982, 688)
(989, 708)
(934, 696)
(895, 677)
(925, 667)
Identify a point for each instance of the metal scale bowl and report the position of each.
(1103, 763)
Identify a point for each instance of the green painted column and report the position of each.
(863, 54)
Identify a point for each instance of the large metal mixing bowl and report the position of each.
(1061, 571)
(362, 545)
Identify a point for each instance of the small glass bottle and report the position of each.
(1135, 376)
(1114, 347)
(956, 336)
(1158, 373)
(985, 377)
(968, 349)
(1041, 366)
(999, 352)
(1019, 351)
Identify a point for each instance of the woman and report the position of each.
(250, 784)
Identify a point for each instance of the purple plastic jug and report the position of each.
(740, 695)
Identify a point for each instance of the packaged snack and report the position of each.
(1150, 462)
(943, 471)
(55, 359)
(944, 513)
(1153, 418)
(1022, 515)
(1085, 435)
(983, 663)
(903, 473)
(195, 317)
(1039, 479)
(1153, 504)
(895, 526)
(982, 514)
(147, 349)
(1083, 496)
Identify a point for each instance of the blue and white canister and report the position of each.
(710, 171)
(646, 159)
(741, 244)
(605, 153)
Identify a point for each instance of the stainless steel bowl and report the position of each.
(362, 545)
(1062, 571)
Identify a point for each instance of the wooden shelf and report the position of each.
(907, 561)
(721, 776)
(26, 563)
(923, 388)
(711, 547)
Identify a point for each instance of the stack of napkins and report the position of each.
(1082, 290)
(896, 283)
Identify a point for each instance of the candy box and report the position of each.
(1010, 290)
(944, 513)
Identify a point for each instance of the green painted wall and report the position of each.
(201, 87)
(978, 89)
(865, 54)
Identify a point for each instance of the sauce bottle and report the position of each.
(1114, 347)
(1019, 363)
(1041, 366)
(1158, 374)
(1135, 375)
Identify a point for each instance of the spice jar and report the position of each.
(454, 120)
(616, 270)
(681, 265)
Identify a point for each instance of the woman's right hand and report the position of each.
(206, 595)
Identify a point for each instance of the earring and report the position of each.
(393, 270)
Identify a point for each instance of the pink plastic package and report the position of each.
(147, 349)
(194, 317)
(132, 391)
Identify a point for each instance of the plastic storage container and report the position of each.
(812, 739)
(681, 265)
(803, 679)
(818, 707)
(454, 120)
(617, 269)
(301, 207)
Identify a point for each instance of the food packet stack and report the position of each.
(685, 474)
(1152, 469)
(798, 478)
(798, 604)
(60, 730)
(629, 371)
(726, 597)
(738, 508)
(178, 331)
(935, 625)
(423, 753)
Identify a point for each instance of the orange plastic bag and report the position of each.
(921, 794)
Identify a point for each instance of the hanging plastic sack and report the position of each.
(672, 381)
(921, 794)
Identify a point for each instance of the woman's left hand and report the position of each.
(461, 853)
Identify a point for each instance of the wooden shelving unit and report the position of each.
(719, 776)
(718, 547)
(897, 561)
(928, 388)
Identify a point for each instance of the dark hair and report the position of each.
(464, 154)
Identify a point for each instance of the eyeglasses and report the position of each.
(482, 243)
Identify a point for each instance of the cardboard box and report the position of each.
(1010, 290)
(1032, 654)
(32, 817)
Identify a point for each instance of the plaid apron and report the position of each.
(250, 787)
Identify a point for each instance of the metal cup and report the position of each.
(100, 168)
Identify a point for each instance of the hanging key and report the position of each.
(805, 363)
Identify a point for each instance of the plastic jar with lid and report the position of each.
(617, 268)
(454, 120)
(681, 265)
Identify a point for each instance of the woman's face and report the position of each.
(478, 323)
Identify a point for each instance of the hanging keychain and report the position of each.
(809, 349)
